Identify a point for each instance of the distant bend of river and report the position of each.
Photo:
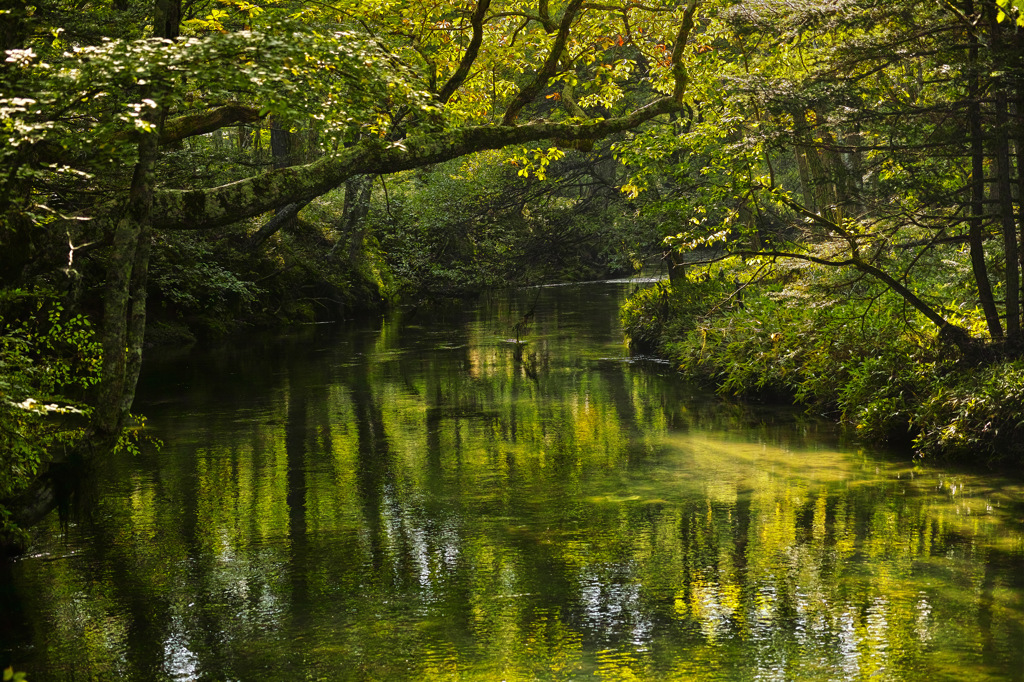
(429, 498)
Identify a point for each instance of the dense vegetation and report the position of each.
(851, 221)
(184, 169)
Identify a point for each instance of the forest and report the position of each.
(511, 339)
(835, 189)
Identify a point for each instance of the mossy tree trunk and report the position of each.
(124, 294)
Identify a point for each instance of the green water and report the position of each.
(424, 498)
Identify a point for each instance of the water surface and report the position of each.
(428, 498)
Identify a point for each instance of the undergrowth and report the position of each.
(854, 353)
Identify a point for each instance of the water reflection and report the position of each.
(425, 499)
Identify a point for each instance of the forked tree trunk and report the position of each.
(124, 297)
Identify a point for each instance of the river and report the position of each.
(429, 497)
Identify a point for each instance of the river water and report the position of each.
(427, 498)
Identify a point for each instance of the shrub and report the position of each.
(860, 358)
(975, 414)
(47, 360)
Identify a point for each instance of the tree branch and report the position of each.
(958, 335)
(477, 22)
(203, 122)
(678, 69)
(273, 225)
(219, 206)
(546, 72)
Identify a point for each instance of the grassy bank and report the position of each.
(842, 347)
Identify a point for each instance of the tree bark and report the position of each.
(124, 299)
(190, 125)
(136, 318)
(167, 19)
(803, 163)
(357, 208)
(1018, 139)
(283, 217)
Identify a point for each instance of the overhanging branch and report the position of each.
(958, 335)
(218, 206)
(190, 125)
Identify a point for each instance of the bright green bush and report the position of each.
(656, 315)
(48, 359)
(975, 414)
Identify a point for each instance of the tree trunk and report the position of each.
(353, 221)
(284, 216)
(137, 318)
(167, 19)
(1006, 214)
(1018, 137)
(123, 279)
(801, 152)
(676, 267)
(14, 27)
(124, 297)
(280, 144)
(817, 170)
(975, 241)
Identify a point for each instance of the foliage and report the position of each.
(199, 286)
(974, 414)
(817, 146)
(85, 101)
(664, 311)
(483, 222)
(48, 361)
(11, 676)
(862, 358)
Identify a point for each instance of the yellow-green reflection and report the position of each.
(431, 500)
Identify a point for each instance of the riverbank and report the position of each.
(862, 358)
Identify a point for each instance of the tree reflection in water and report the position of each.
(414, 501)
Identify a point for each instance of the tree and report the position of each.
(878, 139)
